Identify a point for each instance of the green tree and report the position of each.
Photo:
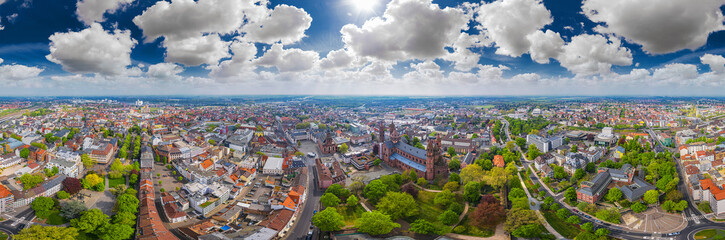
(352, 201)
(375, 223)
(516, 193)
(343, 148)
(454, 177)
(471, 173)
(638, 207)
(422, 226)
(573, 219)
(614, 194)
(451, 151)
(375, 190)
(117, 166)
(471, 192)
(587, 226)
(91, 180)
(127, 203)
(115, 232)
(519, 217)
(533, 152)
(72, 209)
(602, 232)
(570, 194)
(36, 232)
(127, 218)
(454, 164)
(133, 179)
(668, 206)
(579, 174)
(62, 195)
(329, 200)
(90, 220)
(31, 180)
(448, 217)
(338, 190)
(532, 230)
(497, 177)
(87, 161)
(422, 182)
(444, 198)
(398, 205)
(585, 236)
(42, 206)
(651, 196)
(328, 220)
(24, 153)
(451, 186)
(563, 213)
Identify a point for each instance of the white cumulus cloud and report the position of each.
(663, 26)
(196, 51)
(716, 62)
(285, 24)
(92, 50)
(288, 60)
(90, 11)
(592, 54)
(164, 71)
(509, 22)
(18, 72)
(409, 29)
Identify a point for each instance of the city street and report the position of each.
(304, 219)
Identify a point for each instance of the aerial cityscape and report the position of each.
(362, 119)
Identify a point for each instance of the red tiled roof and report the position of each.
(716, 191)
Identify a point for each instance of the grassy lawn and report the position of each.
(55, 219)
(112, 182)
(3, 236)
(428, 210)
(710, 234)
(565, 229)
(350, 214)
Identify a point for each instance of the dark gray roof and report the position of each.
(417, 152)
(598, 184)
(637, 189)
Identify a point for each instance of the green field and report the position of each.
(710, 234)
(55, 219)
(112, 182)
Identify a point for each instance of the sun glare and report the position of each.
(364, 5)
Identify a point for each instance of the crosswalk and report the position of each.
(695, 217)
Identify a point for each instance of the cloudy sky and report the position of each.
(362, 47)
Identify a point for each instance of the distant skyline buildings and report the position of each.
(372, 47)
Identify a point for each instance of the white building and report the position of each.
(273, 166)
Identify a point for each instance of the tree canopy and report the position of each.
(375, 223)
(328, 220)
(398, 205)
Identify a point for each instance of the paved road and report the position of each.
(304, 220)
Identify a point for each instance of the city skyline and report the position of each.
(347, 47)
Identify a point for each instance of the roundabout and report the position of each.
(707, 233)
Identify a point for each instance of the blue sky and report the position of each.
(370, 47)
